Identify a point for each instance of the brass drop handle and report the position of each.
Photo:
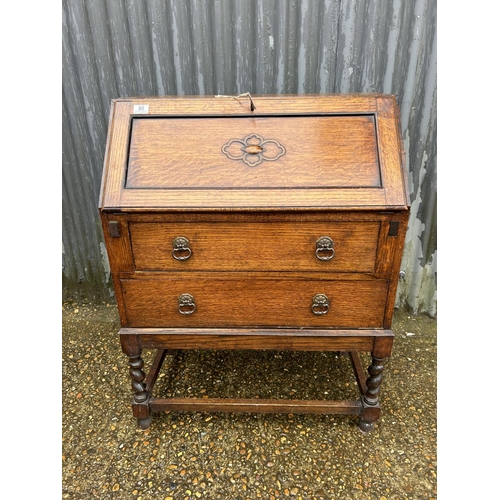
(320, 304)
(324, 248)
(186, 304)
(180, 248)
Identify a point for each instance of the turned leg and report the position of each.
(140, 403)
(370, 401)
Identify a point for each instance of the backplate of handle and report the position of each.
(324, 248)
(186, 304)
(180, 248)
(320, 304)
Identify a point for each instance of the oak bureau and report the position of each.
(255, 222)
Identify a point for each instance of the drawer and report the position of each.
(253, 246)
(246, 300)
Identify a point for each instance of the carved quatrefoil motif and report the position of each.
(253, 149)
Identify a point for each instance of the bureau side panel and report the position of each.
(394, 245)
(117, 241)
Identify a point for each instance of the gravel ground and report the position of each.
(238, 455)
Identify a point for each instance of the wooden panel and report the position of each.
(118, 248)
(294, 216)
(256, 246)
(115, 159)
(119, 254)
(394, 247)
(393, 179)
(258, 199)
(266, 104)
(282, 342)
(233, 300)
(256, 405)
(285, 152)
(326, 156)
(254, 332)
(283, 339)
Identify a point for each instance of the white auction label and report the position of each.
(141, 108)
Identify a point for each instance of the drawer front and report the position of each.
(236, 301)
(287, 246)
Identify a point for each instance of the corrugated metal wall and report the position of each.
(116, 48)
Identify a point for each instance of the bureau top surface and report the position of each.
(333, 151)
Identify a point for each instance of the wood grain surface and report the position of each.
(256, 405)
(286, 246)
(284, 339)
(319, 151)
(333, 143)
(240, 299)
